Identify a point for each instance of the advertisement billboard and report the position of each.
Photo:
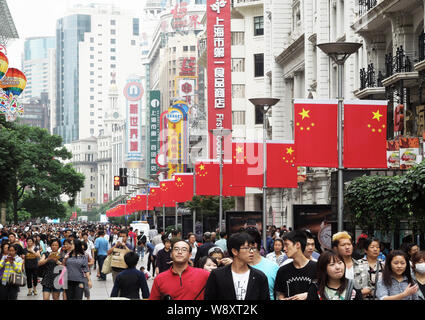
(133, 93)
(237, 220)
(153, 129)
(219, 75)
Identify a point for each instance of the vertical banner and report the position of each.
(153, 126)
(177, 145)
(133, 92)
(219, 74)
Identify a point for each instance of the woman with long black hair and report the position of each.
(332, 283)
(396, 282)
(78, 272)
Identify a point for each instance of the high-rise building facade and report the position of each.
(36, 65)
(108, 41)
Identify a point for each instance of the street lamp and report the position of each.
(339, 52)
(221, 133)
(265, 104)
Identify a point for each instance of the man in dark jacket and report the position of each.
(203, 250)
(163, 258)
(130, 281)
(238, 281)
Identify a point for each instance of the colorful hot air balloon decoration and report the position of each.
(12, 85)
(4, 65)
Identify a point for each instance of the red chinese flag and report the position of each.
(183, 187)
(316, 133)
(154, 198)
(207, 178)
(167, 193)
(281, 168)
(365, 134)
(247, 159)
(141, 202)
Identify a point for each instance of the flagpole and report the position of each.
(163, 217)
(265, 104)
(194, 210)
(339, 52)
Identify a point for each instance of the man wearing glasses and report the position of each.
(238, 281)
(181, 281)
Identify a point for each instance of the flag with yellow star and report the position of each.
(183, 187)
(247, 160)
(208, 179)
(167, 192)
(316, 133)
(281, 167)
(154, 199)
(365, 134)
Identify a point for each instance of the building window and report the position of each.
(259, 26)
(193, 48)
(238, 91)
(91, 56)
(113, 41)
(91, 48)
(113, 31)
(238, 117)
(113, 58)
(91, 131)
(112, 22)
(91, 114)
(238, 65)
(92, 40)
(92, 73)
(91, 65)
(136, 27)
(91, 105)
(133, 42)
(259, 65)
(258, 115)
(185, 48)
(113, 49)
(113, 66)
(238, 38)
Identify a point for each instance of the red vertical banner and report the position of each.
(316, 133)
(365, 134)
(219, 74)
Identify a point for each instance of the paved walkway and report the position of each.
(101, 290)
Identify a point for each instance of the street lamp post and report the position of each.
(339, 53)
(265, 104)
(221, 133)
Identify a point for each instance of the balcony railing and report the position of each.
(368, 78)
(366, 5)
(242, 2)
(422, 47)
(398, 63)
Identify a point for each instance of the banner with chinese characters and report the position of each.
(409, 152)
(133, 93)
(153, 126)
(219, 75)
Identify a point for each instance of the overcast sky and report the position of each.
(36, 18)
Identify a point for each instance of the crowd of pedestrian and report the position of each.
(60, 258)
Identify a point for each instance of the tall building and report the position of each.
(36, 112)
(107, 40)
(36, 65)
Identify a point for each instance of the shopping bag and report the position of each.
(107, 268)
(118, 258)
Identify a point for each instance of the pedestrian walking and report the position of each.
(131, 281)
(163, 259)
(277, 254)
(331, 281)
(49, 262)
(101, 245)
(396, 282)
(32, 255)
(122, 246)
(238, 281)
(207, 263)
(181, 281)
(12, 263)
(293, 279)
(77, 271)
(203, 250)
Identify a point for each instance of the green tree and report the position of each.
(209, 205)
(33, 172)
(377, 202)
(415, 184)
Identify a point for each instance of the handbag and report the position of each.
(107, 265)
(18, 279)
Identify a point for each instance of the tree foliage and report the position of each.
(209, 205)
(381, 202)
(33, 173)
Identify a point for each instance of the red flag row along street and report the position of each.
(316, 145)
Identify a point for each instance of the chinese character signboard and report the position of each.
(133, 92)
(154, 111)
(185, 89)
(219, 73)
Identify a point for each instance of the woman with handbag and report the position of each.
(12, 264)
